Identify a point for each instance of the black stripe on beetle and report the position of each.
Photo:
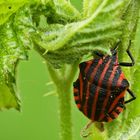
(101, 86)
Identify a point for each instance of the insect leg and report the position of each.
(114, 50)
(132, 95)
(127, 64)
(84, 132)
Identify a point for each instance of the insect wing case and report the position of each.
(100, 88)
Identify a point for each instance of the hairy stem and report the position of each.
(65, 111)
(63, 79)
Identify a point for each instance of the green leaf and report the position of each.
(130, 17)
(66, 43)
(8, 99)
(62, 11)
(8, 7)
(14, 43)
(89, 7)
(65, 10)
(9, 53)
(130, 133)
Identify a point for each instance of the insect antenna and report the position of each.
(114, 50)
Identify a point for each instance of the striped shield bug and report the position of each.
(101, 86)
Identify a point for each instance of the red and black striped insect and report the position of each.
(101, 86)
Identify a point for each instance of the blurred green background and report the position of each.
(38, 119)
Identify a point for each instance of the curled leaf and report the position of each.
(68, 42)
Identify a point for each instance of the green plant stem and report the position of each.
(65, 111)
(63, 79)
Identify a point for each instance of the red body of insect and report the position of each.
(100, 88)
